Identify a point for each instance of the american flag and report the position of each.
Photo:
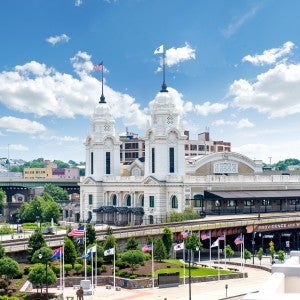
(205, 236)
(222, 237)
(185, 234)
(77, 231)
(239, 240)
(147, 248)
(98, 67)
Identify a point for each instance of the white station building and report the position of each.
(146, 192)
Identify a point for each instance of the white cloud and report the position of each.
(254, 151)
(18, 147)
(78, 2)
(63, 38)
(238, 22)
(243, 123)
(209, 108)
(175, 56)
(21, 125)
(275, 92)
(270, 56)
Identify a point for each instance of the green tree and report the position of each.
(193, 242)
(167, 239)
(109, 242)
(90, 234)
(35, 242)
(37, 275)
(159, 249)
(260, 254)
(56, 192)
(247, 254)
(31, 212)
(45, 252)
(281, 255)
(133, 258)
(69, 252)
(272, 250)
(132, 243)
(2, 197)
(190, 214)
(229, 252)
(2, 251)
(9, 267)
(60, 164)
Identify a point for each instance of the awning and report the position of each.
(139, 211)
(105, 209)
(252, 194)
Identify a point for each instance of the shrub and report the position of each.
(77, 267)
(56, 269)
(26, 270)
(121, 264)
(68, 268)
(89, 270)
(103, 268)
(79, 260)
(133, 276)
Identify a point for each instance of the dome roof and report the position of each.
(103, 111)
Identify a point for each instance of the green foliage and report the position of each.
(193, 242)
(6, 229)
(9, 267)
(69, 252)
(167, 239)
(109, 242)
(283, 164)
(132, 244)
(60, 164)
(121, 264)
(35, 242)
(229, 251)
(187, 214)
(8, 298)
(68, 268)
(281, 255)
(260, 254)
(36, 163)
(45, 253)
(78, 268)
(2, 197)
(2, 251)
(56, 269)
(56, 192)
(133, 258)
(159, 249)
(37, 275)
(272, 249)
(90, 234)
(109, 230)
(247, 254)
(89, 270)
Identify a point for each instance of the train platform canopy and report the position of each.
(271, 194)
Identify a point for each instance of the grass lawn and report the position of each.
(177, 266)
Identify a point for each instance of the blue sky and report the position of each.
(234, 67)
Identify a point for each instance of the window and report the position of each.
(249, 202)
(193, 147)
(114, 199)
(153, 159)
(107, 161)
(90, 199)
(231, 203)
(174, 202)
(151, 201)
(142, 201)
(198, 200)
(128, 200)
(201, 148)
(92, 162)
(171, 160)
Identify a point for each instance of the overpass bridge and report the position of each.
(25, 187)
(257, 231)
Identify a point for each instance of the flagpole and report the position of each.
(164, 86)
(183, 262)
(63, 266)
(210, 248)
(152, 258)
(114, 268)
(218, 260)
(225, 248)
(85, 252)
(92, 261)
(96, 265)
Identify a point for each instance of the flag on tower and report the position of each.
(159, 50)
(98, 67)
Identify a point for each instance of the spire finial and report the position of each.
(161, 50)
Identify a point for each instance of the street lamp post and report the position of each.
(253, 244)
(46, 263)
(190, 286)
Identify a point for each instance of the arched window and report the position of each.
(151, 219)
(142, 200)
(128, 200)
(114, 200)
(174, 202)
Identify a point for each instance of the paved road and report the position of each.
(207, 290)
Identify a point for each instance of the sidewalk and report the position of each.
(212, 290)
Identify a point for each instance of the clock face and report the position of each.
(172, 137)
(106, 127)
